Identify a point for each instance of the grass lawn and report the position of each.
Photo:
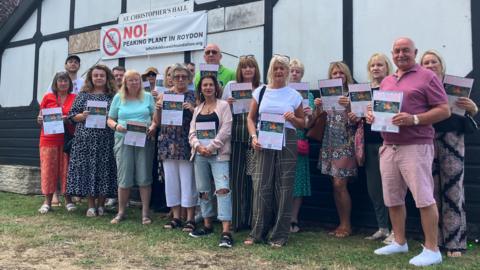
(61, 240)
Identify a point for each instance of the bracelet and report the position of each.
(115, 127)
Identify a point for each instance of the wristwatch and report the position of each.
(416, 121)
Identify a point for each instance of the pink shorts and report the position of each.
(407, 166)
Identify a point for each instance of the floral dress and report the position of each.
(337, 156)
(92, 170)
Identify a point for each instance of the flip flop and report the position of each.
(146, 220)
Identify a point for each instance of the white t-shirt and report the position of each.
(278, 101)
(77, 86)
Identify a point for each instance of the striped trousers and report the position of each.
(273, 180)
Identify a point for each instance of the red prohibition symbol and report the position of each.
(112, 41)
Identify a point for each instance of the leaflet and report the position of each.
(330, 92)
(360, 98)
(242, 93)
(159, 84)
(172, 112)
(206, 132)
(457, 87)
(146, 86)
(272, 128)
(52, 121)
(97, 116)
(136, 134)
(386, 104)
(303, 88)
(208, 69)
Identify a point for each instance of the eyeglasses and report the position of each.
(180, 77)
(151, 74)
(247, 56)
(211, 52)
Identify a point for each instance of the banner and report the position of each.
(173, 34)
(172, 10)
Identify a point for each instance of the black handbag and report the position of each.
(470, 125)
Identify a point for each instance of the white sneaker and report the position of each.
(111, 202)
(393, 248)
(427, 257)
(389, 239)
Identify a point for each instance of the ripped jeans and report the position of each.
(205, 168)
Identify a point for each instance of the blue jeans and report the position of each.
(204, 168)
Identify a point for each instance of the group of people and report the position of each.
(254, 187)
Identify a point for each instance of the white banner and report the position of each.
(172, 10)
(173, 34)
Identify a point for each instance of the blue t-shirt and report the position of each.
(132, 110)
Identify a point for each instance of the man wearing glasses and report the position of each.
(213, 55)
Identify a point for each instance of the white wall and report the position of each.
(55, 16)
(144, 5)
(310, 30)
(16, 81)
(51, 60)
(89, 59)
(91, 12)
(443, 25)
(28, 29)
(238, 42)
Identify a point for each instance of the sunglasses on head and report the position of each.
(283, 56)
(211, 52)
(247, 56)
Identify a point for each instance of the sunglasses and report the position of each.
(151, 74)
(247, 56)
(211, 52)
(283, 56)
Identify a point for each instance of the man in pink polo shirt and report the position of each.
(406, 157)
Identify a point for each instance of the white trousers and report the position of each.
(180, 188)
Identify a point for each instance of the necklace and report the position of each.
(209, 109)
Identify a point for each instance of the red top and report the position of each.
(50, 101)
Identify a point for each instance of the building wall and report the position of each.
(315, 31)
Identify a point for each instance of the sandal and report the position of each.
(91, 212)
(101, 211)
(294, 227)
(70, 207)
(276, 245)
(249, 241)
(118, 218)
(146, 220)
(173, 224)
(189, 226)
(45, 208)
(342, 233)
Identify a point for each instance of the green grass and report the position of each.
(74, 241)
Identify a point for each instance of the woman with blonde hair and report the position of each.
(448, 166)
(92, 170)
(274, 174)
(302, 173)
(134, 164)
(240, 175)
(378, 67)
(337, 158)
